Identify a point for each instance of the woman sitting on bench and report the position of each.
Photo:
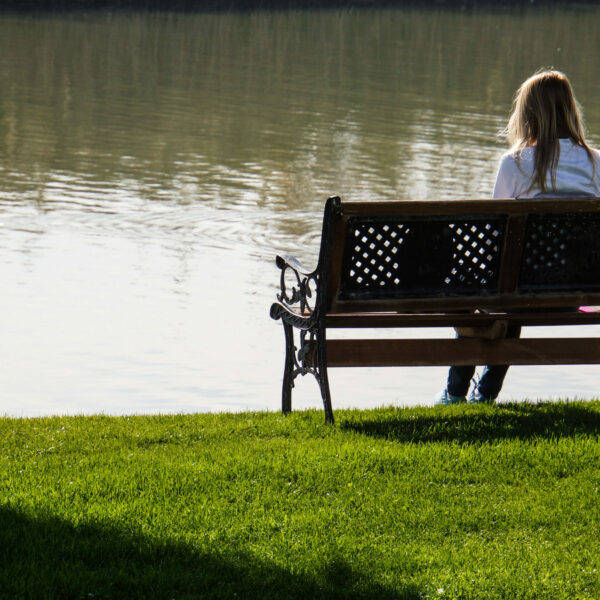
(548, 157)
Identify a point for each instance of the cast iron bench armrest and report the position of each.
(287, 260)
(297, 295)
(291, 316)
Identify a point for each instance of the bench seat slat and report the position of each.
(375, 320)
(492, 303)
(445, 352)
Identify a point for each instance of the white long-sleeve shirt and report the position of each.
(575, 174)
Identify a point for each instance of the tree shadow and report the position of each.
(47, 557)
(482, 424)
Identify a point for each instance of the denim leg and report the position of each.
(492, 378)
(459, 379)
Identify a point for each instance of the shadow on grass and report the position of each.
(481, 424)
(52, 558)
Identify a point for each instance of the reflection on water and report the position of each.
(152, 165)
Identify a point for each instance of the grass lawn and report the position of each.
(446, 502)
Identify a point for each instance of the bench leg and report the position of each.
(302, 364)
(323, 379)
(288, 370)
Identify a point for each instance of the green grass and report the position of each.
(447, 502)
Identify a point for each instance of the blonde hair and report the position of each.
(545, 110)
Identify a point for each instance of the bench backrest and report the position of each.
(458, 254)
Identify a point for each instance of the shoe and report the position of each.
(476, 397)
(446, 398)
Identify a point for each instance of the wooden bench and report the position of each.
(431, 264)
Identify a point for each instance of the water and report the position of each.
(152, 165)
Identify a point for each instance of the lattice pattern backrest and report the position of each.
(409, 257)
(562, 253)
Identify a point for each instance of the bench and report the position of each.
(433, 264)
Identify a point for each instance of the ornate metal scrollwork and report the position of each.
(300, 296)
(297, 307)
(301, 305)
(304, 356)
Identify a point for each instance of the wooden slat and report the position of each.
(468, 206)
(446, 352)
(337, 249)
(498, 303)
(367, 320)
(512, 254)
(375, 320)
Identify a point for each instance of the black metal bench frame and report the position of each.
(431, 264)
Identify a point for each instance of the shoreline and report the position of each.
(223, 6)
(540, 405)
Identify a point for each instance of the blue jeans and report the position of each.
(490, 383)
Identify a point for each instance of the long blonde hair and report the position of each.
(545, 110)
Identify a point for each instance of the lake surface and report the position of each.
(153, 165)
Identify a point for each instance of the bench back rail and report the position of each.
(462, 253)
